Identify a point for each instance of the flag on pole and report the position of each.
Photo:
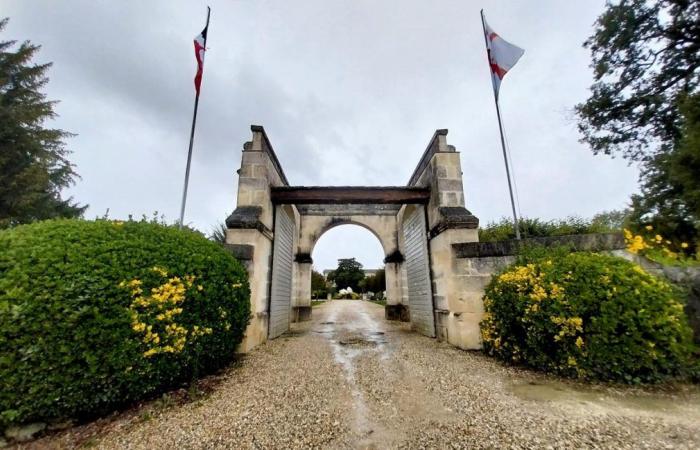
(502, 56)
(200, 47)
(199, 43)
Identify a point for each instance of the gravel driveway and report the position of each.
(349, 379)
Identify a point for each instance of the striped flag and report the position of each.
(502, 56)
(199, 49)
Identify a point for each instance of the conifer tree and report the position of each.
(34, 165)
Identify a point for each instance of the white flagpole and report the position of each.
(194, 122)
(500, 128)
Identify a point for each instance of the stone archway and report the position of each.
(416, 224)
(325, 228)
(315, 220)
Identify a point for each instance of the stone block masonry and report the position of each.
(434, 190)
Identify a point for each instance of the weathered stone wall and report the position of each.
(251, 225)
(449, 222)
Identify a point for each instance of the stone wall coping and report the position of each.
(430, 150)
(580, 242)
(241, 252)
(267, 148)
(453, 217)
(303, 258)
(247, 218)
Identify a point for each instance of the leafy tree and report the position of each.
(644, 105)
(614, 220)
(376, 283)
(670, 194)
(319, 286)
(646, 57)
(348, 274)
(33, 159)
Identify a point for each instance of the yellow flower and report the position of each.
(556, 290)
(684, 245)
(658, 238)
(160, 271)
(538, 293)
(571, 361)
(649, 227)
(635, 243)
(579, 342)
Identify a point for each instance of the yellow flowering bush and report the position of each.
(654, 246)
(586, 315)
(154, 314)
(97, 314)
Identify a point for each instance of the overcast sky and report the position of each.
(349, 92)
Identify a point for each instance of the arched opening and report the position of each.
(349, 259)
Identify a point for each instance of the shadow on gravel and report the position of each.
(294, 334)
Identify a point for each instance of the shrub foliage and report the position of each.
(601, 223)
(98, 314)
(586, 315)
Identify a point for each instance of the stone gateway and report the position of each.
(275, 227)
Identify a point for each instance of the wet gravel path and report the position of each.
(349, 379)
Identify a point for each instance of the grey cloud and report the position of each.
(349, 92)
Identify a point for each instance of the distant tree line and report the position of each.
(348, 274)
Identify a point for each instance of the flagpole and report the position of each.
(500, 129)
(194, 123)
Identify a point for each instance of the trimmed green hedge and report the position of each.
(98, 314)
(587, 315)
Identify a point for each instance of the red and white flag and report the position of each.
(199, 44)
(502, 55)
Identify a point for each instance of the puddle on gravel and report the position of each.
(607, 398)
(361, 342)
(357, 341)
(350, 340)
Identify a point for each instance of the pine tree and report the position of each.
(34, 167)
